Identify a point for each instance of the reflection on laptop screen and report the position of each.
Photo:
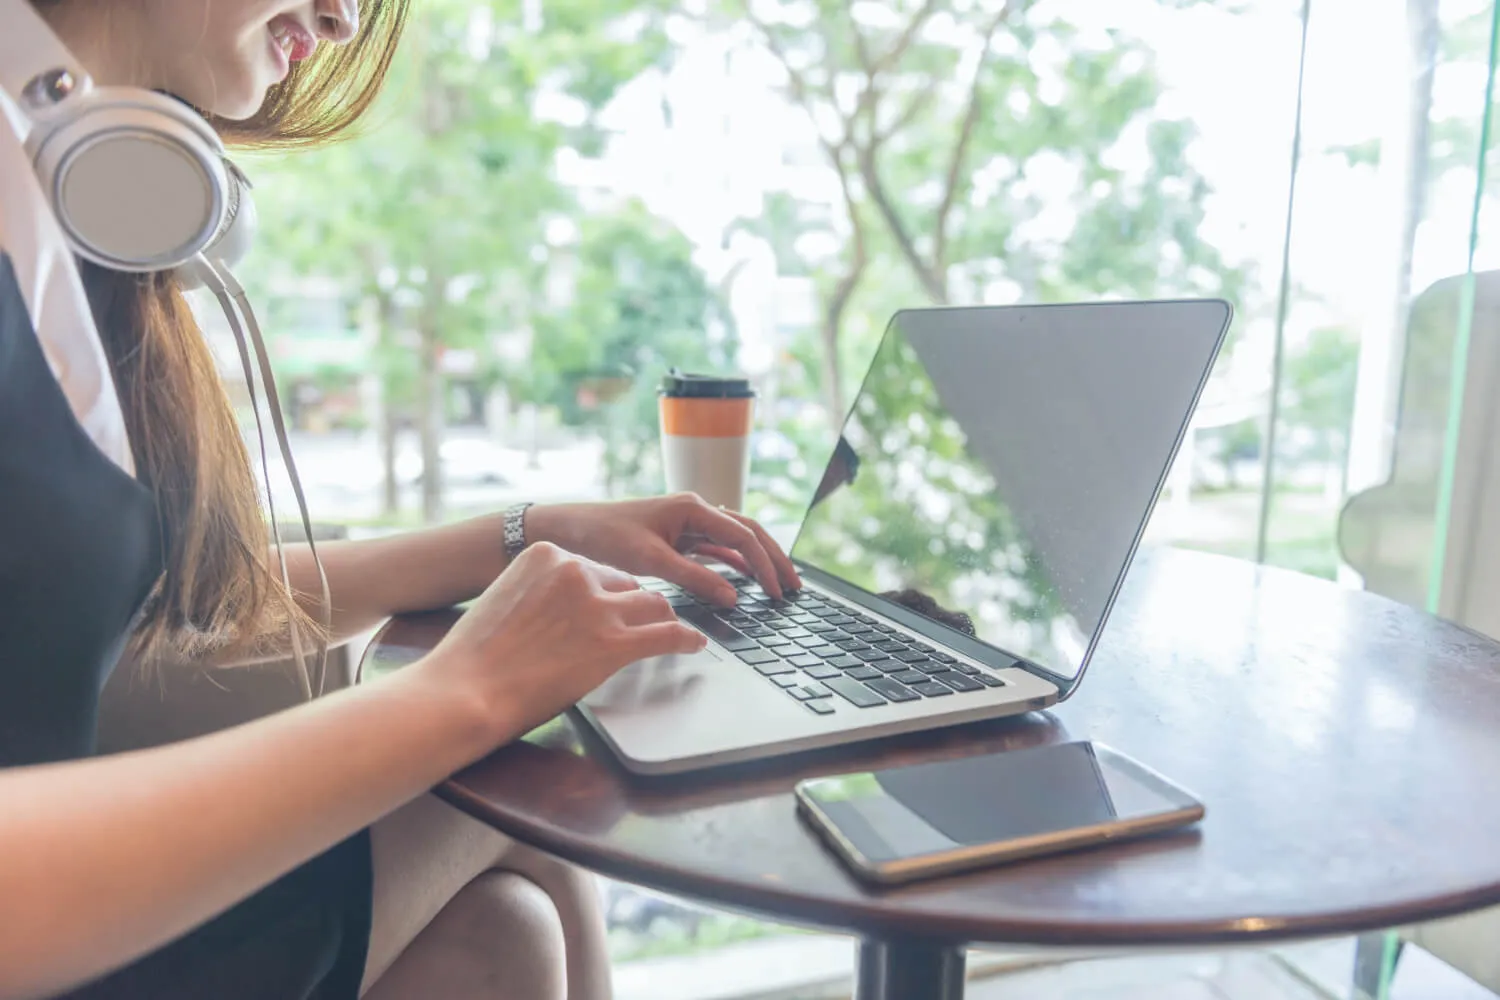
(999, 464)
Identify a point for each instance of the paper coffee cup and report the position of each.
(705, 435)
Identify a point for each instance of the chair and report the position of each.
(1387, 533)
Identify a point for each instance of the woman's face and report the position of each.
(221, 56)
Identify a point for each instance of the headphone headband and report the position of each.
(36, 69)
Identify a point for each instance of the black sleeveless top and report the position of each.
(80, 548)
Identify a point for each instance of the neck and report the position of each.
(104, 37)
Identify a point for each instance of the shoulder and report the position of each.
(47, 283)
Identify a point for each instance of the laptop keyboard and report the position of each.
(822, 653)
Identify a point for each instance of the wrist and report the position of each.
(549, 523)
(477, 718)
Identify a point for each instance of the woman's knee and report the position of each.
(500, 937)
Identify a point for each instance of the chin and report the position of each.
(236, 110)
(232, 96)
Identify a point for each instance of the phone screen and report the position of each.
(933, 808)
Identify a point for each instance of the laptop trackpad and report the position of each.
(655, 682)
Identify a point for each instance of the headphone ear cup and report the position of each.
(137, 180)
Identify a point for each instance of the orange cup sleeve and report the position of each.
(706, 417)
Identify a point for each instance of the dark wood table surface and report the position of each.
(1347, 748)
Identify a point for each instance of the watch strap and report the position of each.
(515, 530)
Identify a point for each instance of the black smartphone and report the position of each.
(915, 822)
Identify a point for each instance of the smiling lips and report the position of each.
(292, 38)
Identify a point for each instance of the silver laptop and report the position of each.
(963, 549)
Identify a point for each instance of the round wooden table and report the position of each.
(1347, 749)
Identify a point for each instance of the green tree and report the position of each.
(945, 121)
(640, 305)
(438, 214)
(1319, 386)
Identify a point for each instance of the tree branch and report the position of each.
(904, 41)
(932, 282)
(839, 298)
(965, 137)
(801, 90)
(861, 47)
(869, 97)
(919, 102)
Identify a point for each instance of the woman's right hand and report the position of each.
(549, 630)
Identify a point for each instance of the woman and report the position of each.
(240, 864)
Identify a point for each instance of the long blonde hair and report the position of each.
(218, 592)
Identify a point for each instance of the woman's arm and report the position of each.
(108, 858)
(104, 859)
(370, 580)
(438, 567)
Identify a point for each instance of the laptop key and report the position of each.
(942, 657)
(958, 681)
(962, 668)
(890, 666)
(887, 687)
(929, 667)
(931, 689)
(758, 632)
(801, 693)
(909, 656)
(854, 692)
(810, 641)
(796, 633)
(822, 628)
(804, 660)
(788, 680)
(857, 629)
(774, 667)
(890, 646)
(847, 662)
(822, 672)
(757, 655)
(869, 654)
(819, 707)
(782, 624)
(989, 681)
(826, 652)
(910, 677)
(864, 673)
(840, 620)
(703, 621)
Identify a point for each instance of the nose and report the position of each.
(338, 20)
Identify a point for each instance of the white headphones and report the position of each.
(137, 180)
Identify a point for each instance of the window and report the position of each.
(536, 227)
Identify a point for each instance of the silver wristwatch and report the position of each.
(515, 530)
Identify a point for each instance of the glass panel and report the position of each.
(1384, 198)
(470, 303)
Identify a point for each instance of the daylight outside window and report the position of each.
(472, 302)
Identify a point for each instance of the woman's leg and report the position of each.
(499, 939)
(427, 852)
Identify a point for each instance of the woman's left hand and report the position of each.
(657, 536)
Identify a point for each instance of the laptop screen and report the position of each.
(998, 466)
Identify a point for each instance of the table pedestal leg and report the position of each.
(909, 970)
